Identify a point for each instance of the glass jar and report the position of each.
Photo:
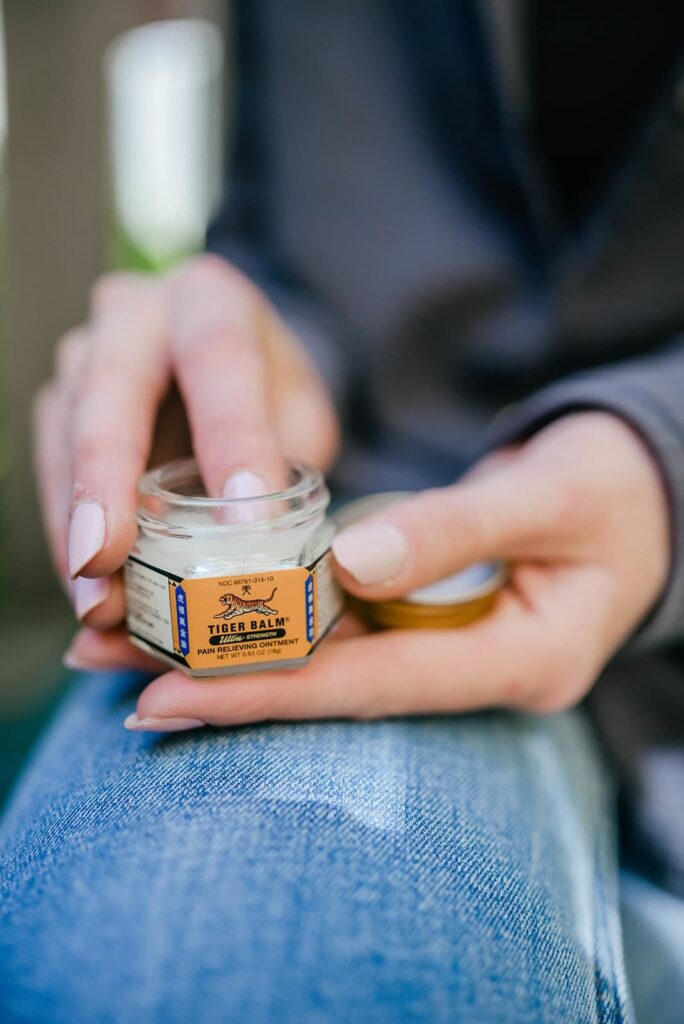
(216, 586)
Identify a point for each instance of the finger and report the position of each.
(50, 411)
(306, 422)
(508, 512)
(53, 472)
(219, 355)
(95, 649)
(117, 395)
(99, 601)
(384, 674)
(526, 656)
(348, 626)
(490, 464)
(70, 355)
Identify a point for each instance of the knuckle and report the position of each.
(567, 500)
(212, 342)
(212, 303)
(88, 449)
(100, 380)
(573, 505)
(99, 449)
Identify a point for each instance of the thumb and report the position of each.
(424, 538)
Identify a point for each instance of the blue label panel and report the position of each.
(309, 596)
(182, 619)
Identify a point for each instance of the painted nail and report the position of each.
(371, 552)
(88, 594)
(244, 484)
(136, 724)
(71, 660)
(86, 535)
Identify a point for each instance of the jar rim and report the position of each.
(152, 485)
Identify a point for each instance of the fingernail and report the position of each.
(243, 484)
(371, 552)
(136, 724)
(86, 535)
(88, 594)
(71, 660)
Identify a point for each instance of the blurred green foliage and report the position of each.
(124, 254)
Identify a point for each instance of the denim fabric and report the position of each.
(416, 871)
(653, 926)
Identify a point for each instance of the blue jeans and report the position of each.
(459, 870)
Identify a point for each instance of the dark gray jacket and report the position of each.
(385, 190)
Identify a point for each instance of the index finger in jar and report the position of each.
(219, 320)
(114, 406)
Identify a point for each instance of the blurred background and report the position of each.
(111, 129)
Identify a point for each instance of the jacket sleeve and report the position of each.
(242, 231)
(648, 393)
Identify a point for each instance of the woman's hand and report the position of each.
(579, 513)
(250, 394)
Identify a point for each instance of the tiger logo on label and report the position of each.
(234, 606)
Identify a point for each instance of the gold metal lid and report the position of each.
(451, 602)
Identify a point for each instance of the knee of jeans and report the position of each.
(433, 858)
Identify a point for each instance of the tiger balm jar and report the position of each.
(216, 586)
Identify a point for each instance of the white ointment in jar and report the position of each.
(217, 586)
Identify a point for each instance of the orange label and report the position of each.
(231, 622)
